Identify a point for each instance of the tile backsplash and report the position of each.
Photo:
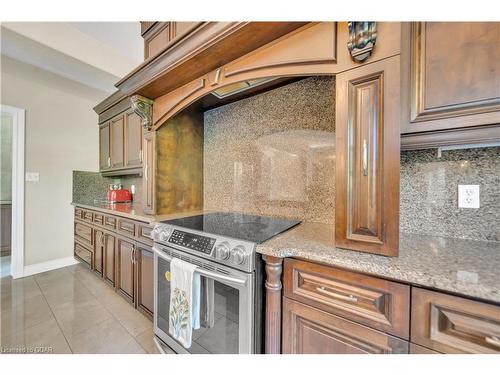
(429, 193)
(88, 186)
(274, 153)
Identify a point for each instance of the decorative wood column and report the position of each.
(274, 268)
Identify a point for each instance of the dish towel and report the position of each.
(184, 312)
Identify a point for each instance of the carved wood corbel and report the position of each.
(143, 107)
(274, 268)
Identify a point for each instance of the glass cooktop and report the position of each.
(239, 226)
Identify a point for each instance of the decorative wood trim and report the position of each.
(144, 109)
(452, 137)
(419, 112)
(109, 102)
(207, 47)
(274, 268)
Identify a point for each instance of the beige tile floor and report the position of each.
(69, 310)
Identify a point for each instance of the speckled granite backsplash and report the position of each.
(429, 193)
(274, 153)
(88, 186)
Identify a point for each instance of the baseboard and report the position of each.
(33, 269)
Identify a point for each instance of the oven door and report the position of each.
(231, 327)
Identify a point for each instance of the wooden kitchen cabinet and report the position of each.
(133, 140)
(374, 302)
(109, 261)
(117, 142)
(104, 147)
(158, 35)
(120, 138)
(450, 91)
(99, 245)
(144, 263)
(367, 158)
(450, 324)
(307, 330)
(125, 273)
(149, 173)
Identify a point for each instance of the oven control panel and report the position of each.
(192, 241)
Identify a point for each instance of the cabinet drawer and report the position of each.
(98, 219)
(144, 233)
(126, 227)
(110, 222)
(378, 303)
(307, 330)
(83, 253)
(87, 216)
(78, 213)
(450, 324)
(83, 233)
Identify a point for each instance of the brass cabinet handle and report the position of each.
(349, 298)
(109, 162)
(146, 172)
(140, 156)
(365, 157)
(492, 340)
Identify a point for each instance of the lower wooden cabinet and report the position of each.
(109, 258)
(307, 330)
(125, 280)
(450, 324)
(334, 311)
(120, 251)
(98, 251)
(144, 263)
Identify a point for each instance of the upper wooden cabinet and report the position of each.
(158, 35)
(133, 139)
(367, 158)
(117, 127)
(104, 147)
(451, 80)
(120, 144)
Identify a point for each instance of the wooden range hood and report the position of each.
(206, 47)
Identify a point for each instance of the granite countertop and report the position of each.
(130, 211)
(466, 267)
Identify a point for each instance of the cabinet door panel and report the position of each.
(133, 137)
(109, 258)
(367, 160)
(450, 85)
(145, 268)
(307, 330)
(117, 141)
(98, 251)
(149, 170)
(125, 262)
(104, 147)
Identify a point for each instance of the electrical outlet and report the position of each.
(468, 196)
(32, 176)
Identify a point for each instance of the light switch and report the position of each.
(468, 196)
(32, 177)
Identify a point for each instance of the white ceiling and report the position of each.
(97, 54)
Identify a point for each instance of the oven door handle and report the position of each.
(203, 272)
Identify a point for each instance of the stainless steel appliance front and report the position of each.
(233, 327)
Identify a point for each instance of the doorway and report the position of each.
(12, 191)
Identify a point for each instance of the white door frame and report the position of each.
(17, 241)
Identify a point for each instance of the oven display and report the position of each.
(192, 241)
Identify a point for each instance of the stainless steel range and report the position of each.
(222, 245)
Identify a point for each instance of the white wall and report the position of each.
(61, 135)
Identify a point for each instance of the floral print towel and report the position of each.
(184, 313)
